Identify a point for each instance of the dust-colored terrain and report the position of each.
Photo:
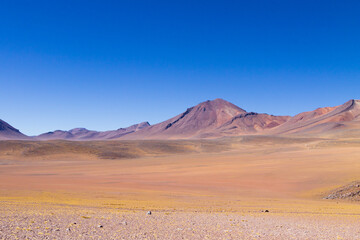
(196, 189)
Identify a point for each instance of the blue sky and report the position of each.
(108, 64)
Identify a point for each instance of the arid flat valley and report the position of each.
(248, 187)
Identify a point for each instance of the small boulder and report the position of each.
(148, 213)
(100, 226)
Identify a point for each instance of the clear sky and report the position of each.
(109, 64)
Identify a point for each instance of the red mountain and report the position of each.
(251, 123)
(209, 119)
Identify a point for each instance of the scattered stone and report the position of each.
(57, 230)
(148, 213)
(68, 229)
(124, 223)
(350, 191)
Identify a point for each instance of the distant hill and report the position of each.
(322, 120)
(9, 132)
(85, 134)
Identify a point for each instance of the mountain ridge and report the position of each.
(8, 132)
(301, 122)
(212, 119)
(85, 134)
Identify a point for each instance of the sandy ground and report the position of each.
(69, 222)
(18, 222)
(202, 190)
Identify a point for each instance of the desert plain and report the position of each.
(247, 187)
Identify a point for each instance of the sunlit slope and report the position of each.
(239, 167)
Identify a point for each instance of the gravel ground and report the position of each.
(64, 222)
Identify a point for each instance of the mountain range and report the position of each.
(85, 134)
(213, 119)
